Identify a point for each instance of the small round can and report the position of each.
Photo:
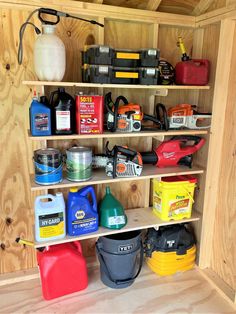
(79, 163)
(48, 166)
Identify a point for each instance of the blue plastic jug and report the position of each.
(82, 215)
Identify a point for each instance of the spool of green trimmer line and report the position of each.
(79, 163)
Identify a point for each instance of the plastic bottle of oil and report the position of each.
(40, 117)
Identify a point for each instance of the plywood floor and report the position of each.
(180, 294)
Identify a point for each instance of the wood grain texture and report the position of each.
(216, 5)
(203, 49)
(178, 6)
(210, 48)
(202, 7)
(187, 292)
(120, 34)
(167, 42)
(224, 249)
(153, 5)
(216, 145)
(224, 289)
(75, 34)
(16, 216)
(104, 11)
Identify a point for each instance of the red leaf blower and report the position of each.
(176, 151)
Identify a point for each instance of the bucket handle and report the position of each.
(121, 281)
(189, 194)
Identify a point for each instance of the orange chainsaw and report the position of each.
(119, 162)
(184, 116)
(129, 116)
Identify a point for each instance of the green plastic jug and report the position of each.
(112, 214)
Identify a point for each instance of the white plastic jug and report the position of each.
(49, 55)
(49, 217)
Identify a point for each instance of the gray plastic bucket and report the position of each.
(121, 258)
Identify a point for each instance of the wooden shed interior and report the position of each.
(208, 30)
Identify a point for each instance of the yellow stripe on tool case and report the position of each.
(127, 55)
(126, 74)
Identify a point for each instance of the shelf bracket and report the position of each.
(161, 92)
(156, 228)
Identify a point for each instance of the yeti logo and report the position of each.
(125, 248)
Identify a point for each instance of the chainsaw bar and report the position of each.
(100, 161)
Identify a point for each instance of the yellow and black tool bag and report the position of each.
(169, 250)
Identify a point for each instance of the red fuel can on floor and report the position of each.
(192, 72)
(62, 270)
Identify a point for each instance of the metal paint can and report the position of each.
(48, 166)
(79, 163)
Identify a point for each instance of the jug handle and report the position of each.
(122, 281)
(78, 246)
(201, 61)
(89, 189)
(52, 96)
(43, 197)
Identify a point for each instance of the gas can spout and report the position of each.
(180, 44)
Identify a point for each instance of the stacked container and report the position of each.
(103, 64)
(173, 197)
(169, 250)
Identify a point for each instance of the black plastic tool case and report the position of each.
(105, 55)
(97, 54)
(119, 75)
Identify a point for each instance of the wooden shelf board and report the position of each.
(100, 177)
(96, 85)
(138, 219)
(116, 135)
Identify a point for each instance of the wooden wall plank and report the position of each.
(16, 215)
(224, 249)
(178, 6)
(216, 16)
(153, 5)
(105, 11)
(216, 141)
(16, 199)
(202, 7)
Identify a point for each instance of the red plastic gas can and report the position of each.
(89, 114)
(62, 270)
(192, 72)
